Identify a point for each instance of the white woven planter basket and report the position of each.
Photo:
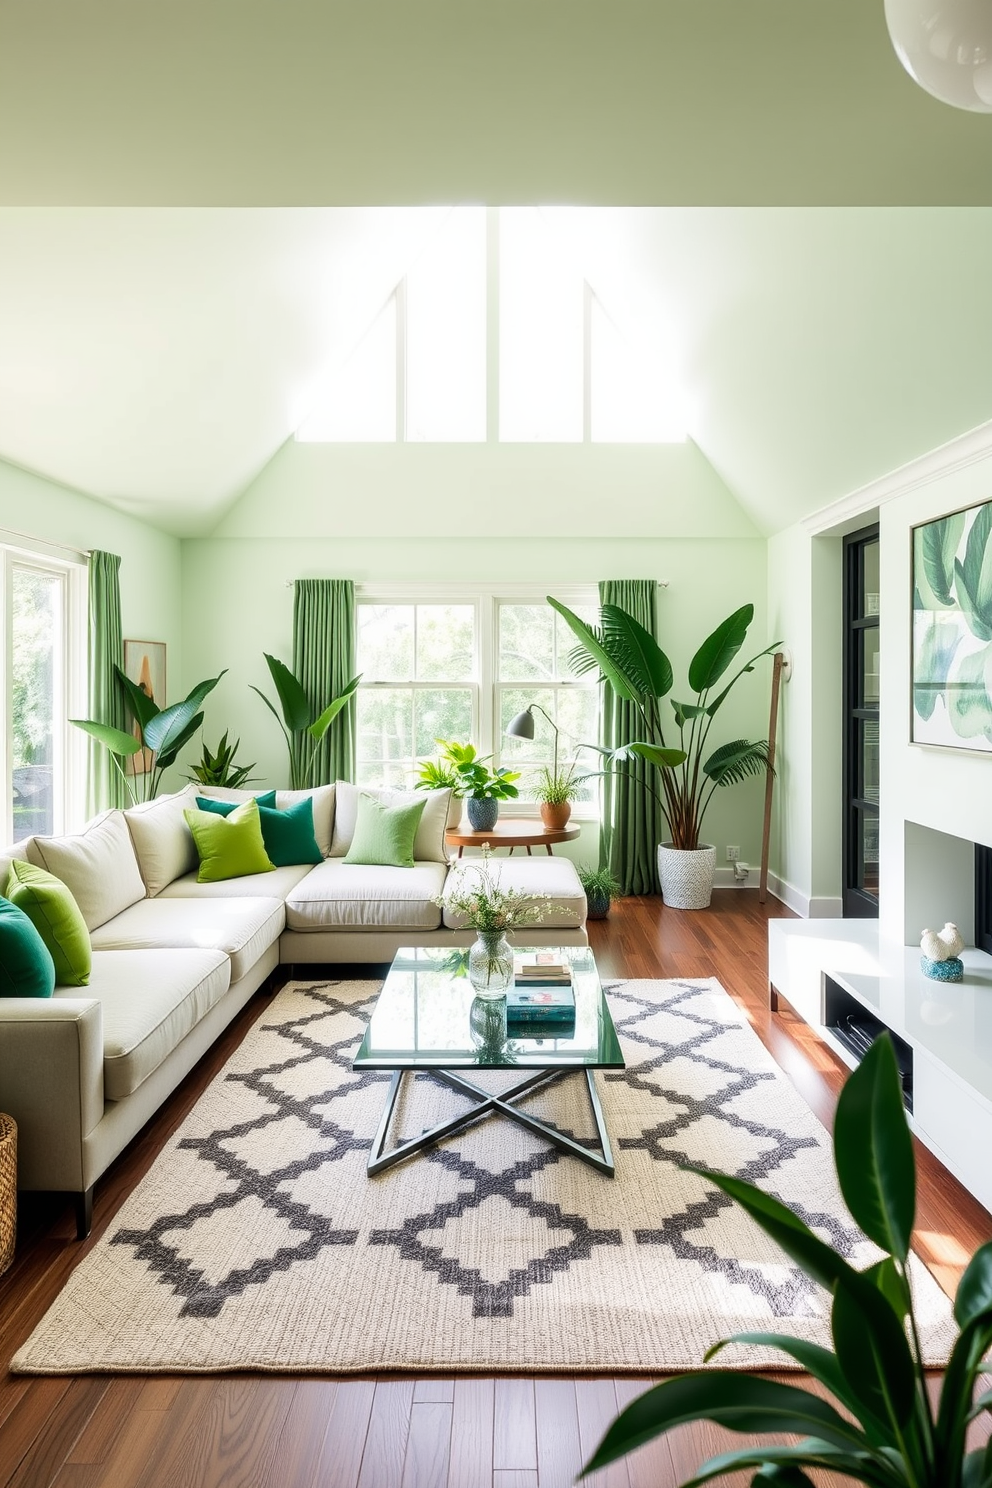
(686, 877)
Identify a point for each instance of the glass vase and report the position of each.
(490, 964)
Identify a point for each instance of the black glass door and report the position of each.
(861, 689)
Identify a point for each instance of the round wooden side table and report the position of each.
(525, 832)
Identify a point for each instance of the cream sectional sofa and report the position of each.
(174, 961)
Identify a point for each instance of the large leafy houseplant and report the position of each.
(220, 767)
(163, 732)
(690, 772)
(475, 780)
(886, 1433)
(300, 729)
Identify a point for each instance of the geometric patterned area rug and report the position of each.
(258, 1242)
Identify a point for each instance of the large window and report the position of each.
(42, 683)
(460, 666)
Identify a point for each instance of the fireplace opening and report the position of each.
(983, 898)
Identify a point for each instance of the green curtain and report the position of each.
(105, 650)
(324, 661)
(632, 821)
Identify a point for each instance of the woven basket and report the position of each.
(8, 1190)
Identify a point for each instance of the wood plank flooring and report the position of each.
(248, 1431)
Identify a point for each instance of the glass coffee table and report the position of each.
(427, 1017)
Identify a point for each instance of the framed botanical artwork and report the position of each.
(952, 630)
(144, 663)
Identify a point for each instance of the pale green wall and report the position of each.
(236, 604)
(150, 559)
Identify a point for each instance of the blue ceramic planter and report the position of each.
(482, 814)
(951, 970)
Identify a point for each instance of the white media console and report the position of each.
(830, 971)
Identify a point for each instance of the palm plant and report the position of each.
(162, 732)
(633, 663)
(301, 731)
(890, 1436)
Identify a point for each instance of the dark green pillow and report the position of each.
(26, 965)
(288, 835)
(54, 913)
(384, 835)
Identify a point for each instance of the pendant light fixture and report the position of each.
(946, 47)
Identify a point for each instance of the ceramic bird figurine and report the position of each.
(942, 945)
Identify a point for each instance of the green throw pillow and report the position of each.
(229, 846)
(385, 835)
(224, 808)
(56, 916)
(26, 965)
(288, 835)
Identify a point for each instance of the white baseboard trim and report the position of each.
(817, 907)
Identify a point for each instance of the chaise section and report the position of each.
(242, 928)
(350, 896)
(151, 1000)
(555, 877)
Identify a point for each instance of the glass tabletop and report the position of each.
(427, 1016)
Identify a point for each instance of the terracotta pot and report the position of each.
(555, 814)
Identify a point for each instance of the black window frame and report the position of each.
(859, 902)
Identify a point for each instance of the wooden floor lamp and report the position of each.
(781, 672)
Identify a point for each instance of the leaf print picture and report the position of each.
(952, 630)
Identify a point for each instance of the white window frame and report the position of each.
(485, 598)
(70, 756)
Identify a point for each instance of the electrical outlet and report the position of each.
(733, 854)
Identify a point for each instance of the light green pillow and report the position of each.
(384, 835)
(56, 916)
(229, 846)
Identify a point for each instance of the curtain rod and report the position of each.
(661, 583)
(32, 537)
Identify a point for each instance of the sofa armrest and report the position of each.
(51, 1082)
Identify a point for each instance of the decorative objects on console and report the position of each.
(941, 958)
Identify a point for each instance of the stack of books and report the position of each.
(541, 996)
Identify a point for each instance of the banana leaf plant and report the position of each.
(886, 1433)
(631, 661)
(161, 732)
(300, 729)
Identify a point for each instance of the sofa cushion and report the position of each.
(55, 915)
(428, 845)
(229, 846)
(242, 928)
(276, 885)
(18, 852)
(98, 865)
(26, 965)
(553, 876)
(287, 835)
(163, 843)
(322, 797)
(151, 1001)
(340, 895)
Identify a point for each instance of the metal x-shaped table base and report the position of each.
(488, 1104)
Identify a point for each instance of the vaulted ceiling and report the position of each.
(196, 221)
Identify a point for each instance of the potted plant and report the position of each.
(301, 731)
(475, 894)
(439, 774)
(163, 732)
(481, 787)
(886, 1433)
(555, 792)
(601, 888)
(631, 660)
(220, 768)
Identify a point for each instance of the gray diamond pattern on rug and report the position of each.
(257, 1241)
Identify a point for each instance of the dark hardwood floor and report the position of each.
(242, 1431)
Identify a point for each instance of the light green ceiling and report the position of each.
(348, 102)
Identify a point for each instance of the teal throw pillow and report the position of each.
(384, 835)
(229, 846)
(26, 965)
(224, 808)
(56, 916)
(288, 835)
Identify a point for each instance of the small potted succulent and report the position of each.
(601, 888)
(219, 767)
(481, 787)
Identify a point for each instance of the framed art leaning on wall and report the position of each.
(144, 663)
(952, 630)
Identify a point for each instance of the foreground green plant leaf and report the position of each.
(874, 1151)
(111, 738)
(719, 649)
